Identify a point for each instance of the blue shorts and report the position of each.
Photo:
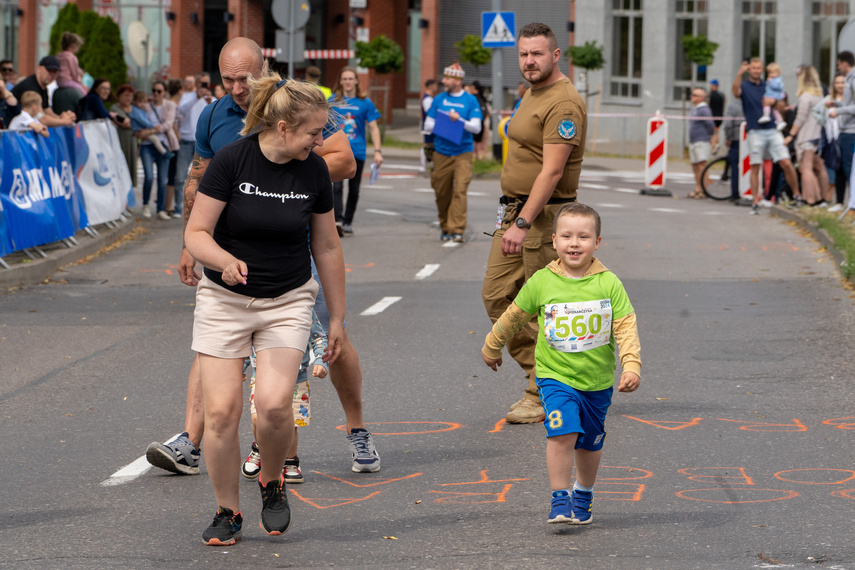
(569, 410)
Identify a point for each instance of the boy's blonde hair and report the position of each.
(773, 67)
(31, 98)
(140, 96)
(274, 99)
(577, 209)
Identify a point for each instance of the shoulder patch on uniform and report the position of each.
(567, 129)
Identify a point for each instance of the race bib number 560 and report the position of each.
(576, 327)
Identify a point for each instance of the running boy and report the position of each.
(582, 308)
(302, 411)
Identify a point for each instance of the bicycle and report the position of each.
(716, 178)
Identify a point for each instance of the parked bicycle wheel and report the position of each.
(715, 179)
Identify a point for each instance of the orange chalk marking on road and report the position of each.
(634, 494)
(339, 503)
(168, 270)
(832, 422)
(498, 427)
(845, 493)
(484, 479)
(646, 474)
(374, 484)
(816, 470)
(500, 497)
(754, 425)
(727, 491)
(451, 427)
(659, 423)
(721, 477)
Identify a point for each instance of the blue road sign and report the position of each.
(497, 29)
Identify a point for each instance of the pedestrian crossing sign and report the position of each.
(497, 29)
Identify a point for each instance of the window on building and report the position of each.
(9, 30)
(691, 20)
(828, 20)
(758, 30)
(627, 44)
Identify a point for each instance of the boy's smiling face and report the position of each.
(575, 240)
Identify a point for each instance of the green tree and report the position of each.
(699, 50)
(589, 57)
(85, 27)
(105, 56)
(66, 21)
(471, 51)
(380, 54)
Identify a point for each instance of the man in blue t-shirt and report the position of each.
(220, 124)
(453, 118)
(763, 138)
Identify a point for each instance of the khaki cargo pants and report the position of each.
(506, 275)
(450, 180)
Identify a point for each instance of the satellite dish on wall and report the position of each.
(139, 44)
(846, 39)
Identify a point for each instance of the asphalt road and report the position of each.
(736, 452)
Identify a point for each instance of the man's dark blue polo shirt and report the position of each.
(752, 105)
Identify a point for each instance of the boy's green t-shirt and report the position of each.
(575, 343)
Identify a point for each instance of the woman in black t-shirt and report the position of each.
(259, 201)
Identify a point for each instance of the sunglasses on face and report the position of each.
(7, 69)
(157, 90)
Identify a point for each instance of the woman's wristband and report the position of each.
(377, 150)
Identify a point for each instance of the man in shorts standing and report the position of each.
(546, 140)
(762, 138)
(219, 124)
(702, 137)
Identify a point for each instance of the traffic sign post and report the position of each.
(291, 16)
(497, 31)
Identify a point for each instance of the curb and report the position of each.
(23, 273)
(818, 233)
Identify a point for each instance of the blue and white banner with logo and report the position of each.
(38, 189)
(102, 171)
(51, 187)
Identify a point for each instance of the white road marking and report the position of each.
(451, 244)
(398, 176)
(627, 190)
(378, 187)
(380, 306)
(610, 205)
(426, 190)
(667, 210)
(399, 166)
(595, 186)
(427, 270)
(383, 212)
(128, 473)
(477, 194)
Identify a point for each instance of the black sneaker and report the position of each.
(275, 512)
(225, 530)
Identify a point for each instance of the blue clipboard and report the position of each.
(448, 129)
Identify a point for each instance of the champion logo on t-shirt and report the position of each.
(249, 188)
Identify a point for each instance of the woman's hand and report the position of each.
(235, 272)
(335, 339)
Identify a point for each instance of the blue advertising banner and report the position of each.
(33, 190)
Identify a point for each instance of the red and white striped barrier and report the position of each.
(314, 53)
(656, 157)
(744, 163)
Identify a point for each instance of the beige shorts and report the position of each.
(300, 404)
(228, 325)
(699, 152)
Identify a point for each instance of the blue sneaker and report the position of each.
(177, 456)
(363, 452)
(561, 511)
(445, 237)
(582, 502)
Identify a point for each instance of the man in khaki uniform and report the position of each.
(546, 140)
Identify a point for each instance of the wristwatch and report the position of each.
(522, 223)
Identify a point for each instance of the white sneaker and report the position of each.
(763, 120)
(822, 204)
(765, 203)
(836, 208)
(163, 215)
(781, 125)
(146, 211)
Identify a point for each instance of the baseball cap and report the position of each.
(50, 63)
(714, 82)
